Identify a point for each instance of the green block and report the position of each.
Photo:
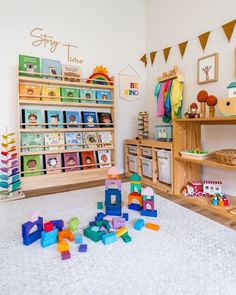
(74, 223)
(104, 223)
(92, 235)
(99, 205)
(126, 238)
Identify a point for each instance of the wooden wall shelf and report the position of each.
(65, 104)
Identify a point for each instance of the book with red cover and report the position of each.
(88, 159)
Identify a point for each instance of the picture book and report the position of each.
(104, 96)
(71, 73)
(88, 94)
(90, 140)
(74, 140)
(51, 93)
(69, 94)
(52, 68)
(105, 138)
(104, 119)
(30, 65)
(54, 119)
(89, 118)
(104, 158)
(36, 140)
(72, 118)
(88, 159)
(53, 163)
(70, 160)
(29, 91)
(54, 141)
(32, 118)
(32, 165)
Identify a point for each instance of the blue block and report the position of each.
(32, 238)
(135, 207)
(26, 227)
(59, 224)
(113, 192)
(83, 248)
(149, 213)
(139, 224)
(91, 223)
(109, 238)
(78, 239)
(48, 235)
(100, 216)
(48, 242)
(126, 216)
(113, 212)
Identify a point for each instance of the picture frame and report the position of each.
(235, 62)
(207, 69)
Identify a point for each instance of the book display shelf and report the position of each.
(66, 131)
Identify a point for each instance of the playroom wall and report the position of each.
(170, 22)
(109, 33)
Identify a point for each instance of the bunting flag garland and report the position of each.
(182, 48)
(229, 28)
(203, 38)
(144, 59)
(166, 52)
(152, 56)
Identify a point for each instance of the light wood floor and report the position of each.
(184, 203)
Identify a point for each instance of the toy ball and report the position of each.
(202, 96)
(212, 100)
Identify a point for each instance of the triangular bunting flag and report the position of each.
(182, 47)
(203, 38)
(152, 56)
(166, 53)
(229, 28)
(144, 59)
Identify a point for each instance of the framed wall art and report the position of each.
(207, 69)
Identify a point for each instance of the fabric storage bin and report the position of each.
(146, 167)
(164, 165)
(133, 164)
(146, 152)
(132, 149)
(164, 132)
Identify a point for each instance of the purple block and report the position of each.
(83, 248)
(118, 222)
(109, 182)
(65, 255)
(29, 238)
(59, 224)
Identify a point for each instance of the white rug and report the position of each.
(190, 254)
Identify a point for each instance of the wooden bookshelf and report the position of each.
(53, 182)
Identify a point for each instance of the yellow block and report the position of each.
(63, 246)
(121, 231)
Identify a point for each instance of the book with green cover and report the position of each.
(31, 164)
(30, 65)
(32, 139)
(69, 94)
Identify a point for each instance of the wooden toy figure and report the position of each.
(212, 102)
(193, 112)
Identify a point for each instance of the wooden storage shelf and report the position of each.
(187, 136)
(153, 145)
(52, 182)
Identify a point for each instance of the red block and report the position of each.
(48, 226)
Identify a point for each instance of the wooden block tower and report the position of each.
(148, 202)
(135, 193)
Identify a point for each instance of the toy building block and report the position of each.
(109, 182)
(83, 248)
(59, 224)
(48, 226)
(121, 231)
(49, 238)
(78, 238)
(100, 216)
(99, 205)
(139, 224)
(95, 228)
(65, 255)
(152, 226)
(151, 213)
(137, 197)
(113, 173)
(108, 218)
(214, 201)
(221, 202)
(29, 238)
(62, 246)
(135, 183)
(34, 216)
(113, 208)
(74, 223)
(91, 223)
(126, 216)
(226, 201)
(118, 222)
(126, 238)
(103, 223)
(92, 235)
(65, 234)
(109, 238)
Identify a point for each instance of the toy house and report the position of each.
(148, 203)
(232, 89)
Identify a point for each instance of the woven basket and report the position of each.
(227, 157)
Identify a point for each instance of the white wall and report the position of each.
(170, 22)
(109, 33)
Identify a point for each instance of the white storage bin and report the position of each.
(164, 165)
(146, 152)
(133, 164)
(132, 149)
(146, 167)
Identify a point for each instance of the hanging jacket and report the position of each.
(161, 101)
(167, 104)
(176, 98)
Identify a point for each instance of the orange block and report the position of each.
(135, 196)
(63, 246)
(65, 234)
(152, 226)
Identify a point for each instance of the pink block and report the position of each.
(109, 182)
(118, 222)
(108, 218)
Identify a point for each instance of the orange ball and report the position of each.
(202, 96)
(212, 100)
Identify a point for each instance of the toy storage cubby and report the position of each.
(147, 161)
(187, 135)
(50, 183)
